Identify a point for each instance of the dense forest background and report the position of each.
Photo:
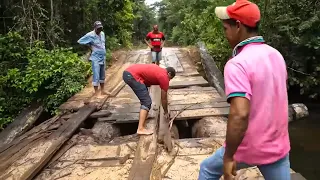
(37, 63)
(292, 27)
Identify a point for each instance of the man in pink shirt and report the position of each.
(256, 88)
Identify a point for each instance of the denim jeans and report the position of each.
(212, 168)
(98, 73)
(139, 89)
(156, 56)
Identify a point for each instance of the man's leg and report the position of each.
(154, 56)
(279, 170)
(95, 78)
(142, 93)
(158, 58)
(212, 167)
(102, 79)
(145, 100)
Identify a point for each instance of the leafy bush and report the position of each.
(50, 76)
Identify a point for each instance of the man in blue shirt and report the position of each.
(96, 41)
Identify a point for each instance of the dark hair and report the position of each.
(172, 71)
(233, 22)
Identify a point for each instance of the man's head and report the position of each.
(98, 27)
(155, 28)
(240, 20)
(171, 72)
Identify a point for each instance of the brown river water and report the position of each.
(305, 144)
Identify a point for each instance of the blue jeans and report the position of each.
(98, 73)
(139, 89)
(212, 168)
(156, 56)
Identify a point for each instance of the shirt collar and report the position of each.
(254, 39)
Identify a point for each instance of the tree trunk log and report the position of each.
(21, 124)
(213, 74)
(216, 126)
(105, 132)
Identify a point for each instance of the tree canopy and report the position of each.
(292, 27)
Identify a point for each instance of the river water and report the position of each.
(305, 144)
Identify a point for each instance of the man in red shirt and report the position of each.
(157, 41)
(141, 76)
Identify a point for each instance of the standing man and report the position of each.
(96, 42)
(141, 76)
(157, 42)
(256, 87)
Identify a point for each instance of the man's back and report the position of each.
(150, 74)
(263, 75)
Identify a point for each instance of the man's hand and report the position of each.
(229, 168)
(150, 46)
(167, 117)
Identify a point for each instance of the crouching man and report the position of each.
(139, 77)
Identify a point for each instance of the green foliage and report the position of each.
(33, 68)
(143, 20)
(292, 27)
(50, 76)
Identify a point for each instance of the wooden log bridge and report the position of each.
(95, 137)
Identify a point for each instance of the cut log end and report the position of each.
(297, 111)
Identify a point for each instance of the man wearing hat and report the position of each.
(256, 88)
(96, 41)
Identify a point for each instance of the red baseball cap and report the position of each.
(244, 11)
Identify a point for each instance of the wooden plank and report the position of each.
(99, 114)
(146, 152)
(182, 82)
(192, 88)
(170, 58)
(197, 101)
(200, 113)
(200, 97)
(27, 166)
(200, 106)
(297, 176)
(186, 92)
(125, 117)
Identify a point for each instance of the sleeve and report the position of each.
(163, 37)
(86, 39)
(148, 36)
(164, 83)
(236, 81)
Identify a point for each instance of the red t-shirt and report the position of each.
(155, 40)
(150, 74)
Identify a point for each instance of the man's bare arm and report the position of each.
(162, 44)
(147, 42)
(237, 124)
(164, 101)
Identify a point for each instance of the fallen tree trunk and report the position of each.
(213, 74)
(21, 124)
(216, 126)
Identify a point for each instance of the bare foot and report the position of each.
(105, 93)
(144, 132)
(95, 94)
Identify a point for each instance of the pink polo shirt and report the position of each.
(259, 73)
